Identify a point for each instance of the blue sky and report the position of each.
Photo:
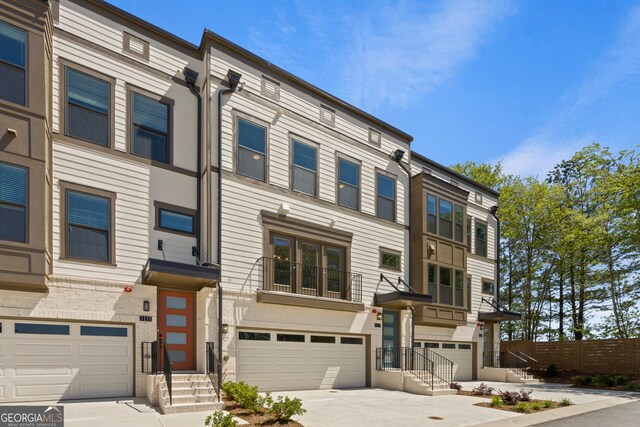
(528, 82)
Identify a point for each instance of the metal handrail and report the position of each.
(307, 279)
(507, 360)
(423, 363)
(149, 353)
(168, 372)
(442, 367)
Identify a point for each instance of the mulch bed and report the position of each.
(256, 418)
(510, 408)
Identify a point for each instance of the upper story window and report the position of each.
(447, 286)
(390, 259)
(150, 122)
(13, 64)
(481, 238)
(469, 228)
(252, 149)
(386, 197)
(88, 228)
(13, 203)
(445, 218)
(304, 177)
(179, 222)
(488, 287)
(87, 114)
(469, 301)
(348, 184)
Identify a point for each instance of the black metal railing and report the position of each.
(532, 364)
(423, 363)
(149, 354)
(168, 372)
(212, 364)
(307, 279)
(517, 363)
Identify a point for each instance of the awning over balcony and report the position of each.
(179, 275)
(498, 316)
(401, 299)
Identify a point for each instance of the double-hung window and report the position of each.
(304, 175)
(432, 214)
(88, 100)
(348, 184)
(458, 218)
(469, 228)
(88, 226)
(386, 197)
(481, 239)
(150, 126)
(13, 64)
(252, 149)
(13, 203)
(446, 221)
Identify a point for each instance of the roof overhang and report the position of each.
(401, 299)
(498, 316)
(178, 275)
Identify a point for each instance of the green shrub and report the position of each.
(247, 396)
(482, 390)
(230, 389)
(634, 387)
(220, 419)
(621, 379)
(566, 402)
(525, 395)
(285, 408)
(552, 371)
(495, 402)
(522, 407)
(583, 380)
(509, 397)
(547, 403)
(536, 406)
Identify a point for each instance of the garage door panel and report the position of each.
(104, 350)
(461, 355)
(41, 390)
(104, 370)
(37, 349)
(42, 370)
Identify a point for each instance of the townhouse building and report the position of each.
(173, 216)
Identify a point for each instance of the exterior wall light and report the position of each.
(284, 209)
(146, 306)
(225, 328)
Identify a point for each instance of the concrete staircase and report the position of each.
(191, 393)
(524, 378)
(406, 381)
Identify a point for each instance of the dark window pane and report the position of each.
(390, 260)
(150, 113)
(446, 345)
(13, 45)
(176, 320)
(334, 270)
(86, 243)
(446, 219)
(304, 181)
(291, 337)
(432, 226)
(386, 209)
(348, 196)
(179, 338)
(481, 239)
(386, 187)
(251, 164)
(469, 235)
(459, 293)
(88, 125)
(103, 331)
(86, 209)
(13, 184)
(39, 328)
(255, 336)
(13, 220)
(350, 340)
(88, 92)
(176, 221)
(469, 303)
(433, 283)
(446, 290)
(349, 173)
(304, 156)
(178, 355)
(432, 345)
(252, 136)
(176, 303)
(459, 217)
(464, 346)
(487, 287)
(12, 84)
(152, 145)
(323, 339)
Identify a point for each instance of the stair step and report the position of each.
(178, 408)
(187, 384)
(193, 398)
(189, 391)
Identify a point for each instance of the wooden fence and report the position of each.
(619, 356)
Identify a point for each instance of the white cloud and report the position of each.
(399, 52)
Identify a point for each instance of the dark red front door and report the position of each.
(176, 327)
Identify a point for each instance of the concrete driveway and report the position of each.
(361, 407)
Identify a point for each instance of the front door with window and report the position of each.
(390, 324)
(176, 327)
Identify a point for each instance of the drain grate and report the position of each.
(436, 418)
(332, 391)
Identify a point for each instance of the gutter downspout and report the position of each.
(234, 80)
(494, 212)
(191, 76)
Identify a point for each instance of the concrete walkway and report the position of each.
(370, 407)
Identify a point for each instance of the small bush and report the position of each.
(525, 395)
(455, 386)
(522, 407)
(509, 397)
(621, 379)
(552, 371)
(495, 402)
(220, 419)
(245, 395)
(536, 406)
(482, 390)
(547, 403)
(230, 389)
(566, 402)
(634, 387)
(582, 379)
(285, 408)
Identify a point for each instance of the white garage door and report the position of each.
(284, 360)
(61, 360)
(460, 353)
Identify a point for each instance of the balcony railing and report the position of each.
(306, 279)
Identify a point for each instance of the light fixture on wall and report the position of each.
(379, 316)
(332, 222)
(225, 328)
(145, 305)
(284, 209)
